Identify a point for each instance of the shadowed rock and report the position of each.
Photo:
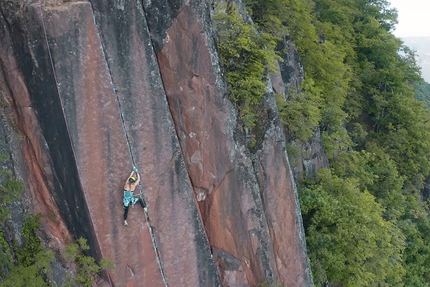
(101, 105)
(220, 166)
(89, 88)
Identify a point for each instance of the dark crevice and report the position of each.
(129, 145)
(39, 78)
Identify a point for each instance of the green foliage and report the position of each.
(4, 157)
(86, 265)
(381, 178)
(32, 275)
(28, 264)
(365, 219)
(32, 264)
(300, 112)
(422, 93)
(265, 14)
(327, 75)
(106, 263)
(25, 254)
(10, 190)
(246, 56)
(271, 283)
(333, 208)
(5, 256)
(417, 253)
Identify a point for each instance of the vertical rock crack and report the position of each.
(121, 113)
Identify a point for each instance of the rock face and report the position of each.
(289, 76)
(258, 235)
(99, 87)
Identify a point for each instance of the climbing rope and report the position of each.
(151, 231)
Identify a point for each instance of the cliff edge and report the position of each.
(99, 87)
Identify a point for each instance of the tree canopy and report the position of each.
(366, 217)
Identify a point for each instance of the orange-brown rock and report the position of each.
(30, 153)
(99, 87)
(97, 124)
(279, 195)
(262, 235)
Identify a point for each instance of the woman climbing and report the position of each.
(129, 197)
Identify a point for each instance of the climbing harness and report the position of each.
(130, 151)
(128, 198)
(151, 231)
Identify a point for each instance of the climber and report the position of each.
(129, 196)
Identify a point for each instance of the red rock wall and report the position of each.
(104, 87)
(279, 195)
(89, 87)
(262, 235)
(221, 174)
(31, 152)
(99, 142)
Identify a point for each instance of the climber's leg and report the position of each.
(125, 215)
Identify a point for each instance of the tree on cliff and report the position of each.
(28, 265)
(365, 218)
(423, 93)
(333, 208)
(246, 57)
(32, 262)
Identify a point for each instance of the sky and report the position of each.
(414, 18)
